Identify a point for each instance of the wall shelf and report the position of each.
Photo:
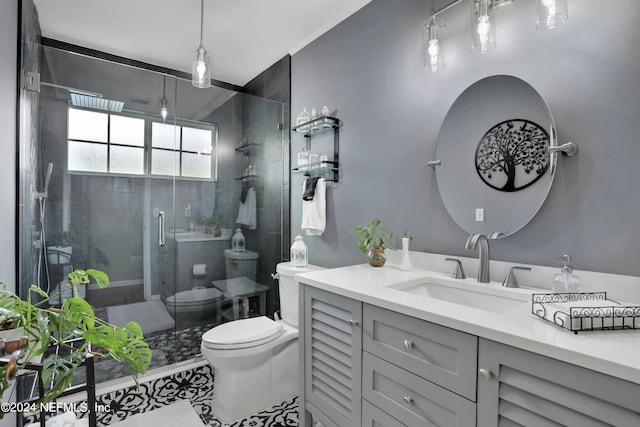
(246, 148)
(247, 178)
(320, 125)
(317, 126)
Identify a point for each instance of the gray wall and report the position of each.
(370, 68)
(9, 55)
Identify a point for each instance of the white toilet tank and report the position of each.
(239, 264)
(289, 290)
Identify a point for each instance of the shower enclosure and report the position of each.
(132, 172)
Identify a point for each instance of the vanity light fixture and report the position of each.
(164, 110)
(201, 70)
(432, 49)
(483, 27)
(551, 13)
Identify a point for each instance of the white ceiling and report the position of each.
(243, 37)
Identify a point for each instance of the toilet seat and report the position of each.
(198, 297)
(242, 333)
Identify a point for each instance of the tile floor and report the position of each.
(195, 385)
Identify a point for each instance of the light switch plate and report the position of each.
(479, 214)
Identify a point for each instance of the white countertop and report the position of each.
(616, 353)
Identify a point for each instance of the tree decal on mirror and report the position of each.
(512, 155)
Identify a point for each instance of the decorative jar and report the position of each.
(299, 253)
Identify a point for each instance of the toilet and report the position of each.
(256, 359)
(197, 304)
(193, 306)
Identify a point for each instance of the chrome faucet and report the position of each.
(482, 243)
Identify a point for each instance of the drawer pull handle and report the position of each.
(408, 401)
(408, 344)
(485, 374)
(354, 323)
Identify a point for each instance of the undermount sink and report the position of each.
(489, 297)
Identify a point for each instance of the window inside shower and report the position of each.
(114, 143)
(117, 164)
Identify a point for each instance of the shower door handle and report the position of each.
(161, 235)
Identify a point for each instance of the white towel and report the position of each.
(314, 212)
(560, 314)
(247, 210)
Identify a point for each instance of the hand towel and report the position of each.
(247, 210)
(314, 212)
(310, 188)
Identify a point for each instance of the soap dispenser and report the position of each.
(566, 281)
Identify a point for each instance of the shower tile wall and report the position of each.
(273, 192)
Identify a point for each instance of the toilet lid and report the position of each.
(242, 333)
(199, 296)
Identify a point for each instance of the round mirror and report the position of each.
(495, 171)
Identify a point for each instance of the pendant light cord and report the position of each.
(201, 20)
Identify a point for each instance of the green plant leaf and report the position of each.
(137, 355)
(101, 278)
(134, 331)
(103, 336)
(58, 371)
(4, 385)
(79, 312)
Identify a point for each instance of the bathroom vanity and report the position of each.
(376, 351)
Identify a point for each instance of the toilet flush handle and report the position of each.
(275, 276)
(234, 262)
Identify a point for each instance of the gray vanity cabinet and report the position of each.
(332, 357)
(516, 387)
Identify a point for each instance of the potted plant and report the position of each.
(373, 240)
(45, 326)
(61, 247)
(213, 225)
(61, 243)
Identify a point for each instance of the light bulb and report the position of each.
(483, 31)
(201, 67)
(484, 27)
(164, 111)
(433, 45)
(434, 50)
(551, 13)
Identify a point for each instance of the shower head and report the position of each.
(88, 99)
(48, 177)
(95, 102)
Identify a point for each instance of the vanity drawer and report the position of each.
(412, 400)
(439, 354)
(374, 417)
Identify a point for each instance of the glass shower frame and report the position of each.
(236, 118)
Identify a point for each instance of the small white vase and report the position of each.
(405, 263)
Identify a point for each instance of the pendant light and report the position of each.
(551, 13)
(164, 110)
(483, 26)
(432, 48)
(201, 70)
